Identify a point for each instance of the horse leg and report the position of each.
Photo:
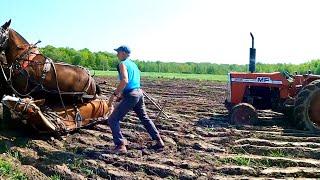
(98, 90)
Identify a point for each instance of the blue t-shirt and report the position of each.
(133, 75)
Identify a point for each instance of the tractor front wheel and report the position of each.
(243, 114)
(307, 107)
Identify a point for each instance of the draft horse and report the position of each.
(57, 120)
(30, 73)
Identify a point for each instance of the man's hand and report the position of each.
(119, 98)
(110, 109)
(110, 105)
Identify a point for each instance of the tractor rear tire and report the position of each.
(307, 107)
(243, 114)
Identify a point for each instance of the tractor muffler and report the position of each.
(252, 61)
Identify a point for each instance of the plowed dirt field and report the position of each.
(200, 143)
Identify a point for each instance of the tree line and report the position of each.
(108, 61)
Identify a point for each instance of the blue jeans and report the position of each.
(131, 101)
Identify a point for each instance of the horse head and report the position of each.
(20, 105)
(12, 43)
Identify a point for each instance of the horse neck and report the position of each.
(16, 46)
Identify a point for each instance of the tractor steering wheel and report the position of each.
(287, 75)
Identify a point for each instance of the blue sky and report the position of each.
(174, 30)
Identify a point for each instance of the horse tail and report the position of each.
(98, 90)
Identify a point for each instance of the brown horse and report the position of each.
(30, 73)
(55, 120)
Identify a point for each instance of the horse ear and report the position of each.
(6, 25)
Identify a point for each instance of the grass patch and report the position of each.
(277, 153)
(79, 165)
(55, 177)
(251, 162)
(208, 77)
(237, 160)
(14, 154)
(7, 171)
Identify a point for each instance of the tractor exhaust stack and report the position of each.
(252, 61)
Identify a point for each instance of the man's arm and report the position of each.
(122, 84)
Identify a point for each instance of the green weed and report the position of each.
(247, 161)
(55, 177)
(238, 160)
(7, 171)
(78, 164)
(277, 153)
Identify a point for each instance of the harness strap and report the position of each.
(27, 52)
(45, 70)
(88, 83)
(25, 107)
(4, 74)
(58, 88)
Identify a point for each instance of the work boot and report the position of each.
(159, 144)
(120, 149)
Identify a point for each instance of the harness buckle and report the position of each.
(78, 118)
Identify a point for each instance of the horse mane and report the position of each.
(18, 36)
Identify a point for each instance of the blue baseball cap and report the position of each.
(123, 49)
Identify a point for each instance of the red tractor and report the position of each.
(297, 96)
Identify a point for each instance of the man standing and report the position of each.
(132, 99)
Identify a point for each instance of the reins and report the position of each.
(9, 81)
